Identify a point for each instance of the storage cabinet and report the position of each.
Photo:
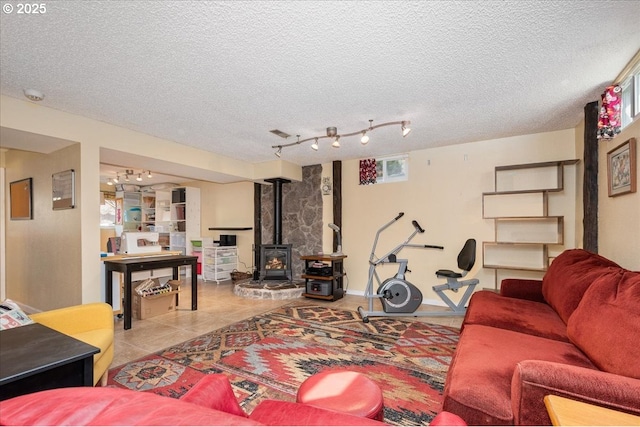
(324, 276)
(219, 262)
(524, 230)
(184, 218)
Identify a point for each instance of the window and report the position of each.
(108, 210)
(392, 169)
(630, 97)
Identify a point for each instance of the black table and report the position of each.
(141, 263)
(35, 358)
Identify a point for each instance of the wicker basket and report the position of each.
(240, 275)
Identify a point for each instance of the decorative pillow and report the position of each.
(11, 316)
(570, 275)
(606, 324)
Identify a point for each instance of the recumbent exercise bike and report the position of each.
(399, 297)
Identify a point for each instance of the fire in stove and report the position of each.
(275, 264)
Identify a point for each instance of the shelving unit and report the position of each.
(325, 287)
(173, 213)
(524, 230)
(219, 262)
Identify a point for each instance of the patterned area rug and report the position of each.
(269, 356)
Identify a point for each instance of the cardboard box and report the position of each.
(154, 305)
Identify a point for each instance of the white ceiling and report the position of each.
(219, 75)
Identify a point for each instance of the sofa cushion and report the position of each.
(529, 317)
(569, 276)
(478, 384)
(606, 324)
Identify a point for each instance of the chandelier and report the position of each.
(332, 134)
(127, 175)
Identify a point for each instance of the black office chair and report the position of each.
(466, 261)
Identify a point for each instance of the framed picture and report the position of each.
(64, 190)
(621, 168)
(21, 199)
(119, 208)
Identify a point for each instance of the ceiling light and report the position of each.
(109, 182)
(405, 129)
(116, 179)
(149, 174)
(126, 178)
(34, 95)
(332, 133)
(139, 178)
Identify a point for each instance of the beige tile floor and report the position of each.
(217, 307)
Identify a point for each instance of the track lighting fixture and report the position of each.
(128, 174)
(332, 133)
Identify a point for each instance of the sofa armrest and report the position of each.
(534, 379)
(77, 319)
(528, 289)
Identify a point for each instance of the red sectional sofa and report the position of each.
(573, 334)
(210, 402)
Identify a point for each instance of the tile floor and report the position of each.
(217, 307)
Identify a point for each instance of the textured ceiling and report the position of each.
(220, 75)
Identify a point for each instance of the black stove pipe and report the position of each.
(277, 208)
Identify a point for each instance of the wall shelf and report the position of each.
(520, 210)
(230, 228)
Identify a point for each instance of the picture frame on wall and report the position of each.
(21, 199)
(621, 168)
(63, 187)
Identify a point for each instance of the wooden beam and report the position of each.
(590, 189)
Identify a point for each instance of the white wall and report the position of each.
(444, 194)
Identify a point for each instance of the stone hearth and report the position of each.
(277, 290)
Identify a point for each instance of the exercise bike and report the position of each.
(398, 296)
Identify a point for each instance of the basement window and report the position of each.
(630, 97)
(392, 169)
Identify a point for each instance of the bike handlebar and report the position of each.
(400, 215)
(417, 226)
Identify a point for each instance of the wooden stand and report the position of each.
(334, 281)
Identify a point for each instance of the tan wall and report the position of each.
(43, 257)
(619, 217)
(444, 194)
(228, 205)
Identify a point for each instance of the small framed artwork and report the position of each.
(621, 168)
(21, 199)
(119, 209)
(64, 190)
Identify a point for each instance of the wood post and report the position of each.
(590, 189)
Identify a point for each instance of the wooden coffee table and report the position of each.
(568, 412)
(35, 358)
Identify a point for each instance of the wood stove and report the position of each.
(276, 262)
(275, 259)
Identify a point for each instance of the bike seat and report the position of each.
(448, 273)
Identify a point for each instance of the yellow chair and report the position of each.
(90, 323)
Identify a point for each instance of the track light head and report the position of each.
(116, 179)
(109, 182)
(149, 174)
(315, 145)
(279, 152)
(365, 138)
(405, 128)
(336, 143)
(139, 178)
